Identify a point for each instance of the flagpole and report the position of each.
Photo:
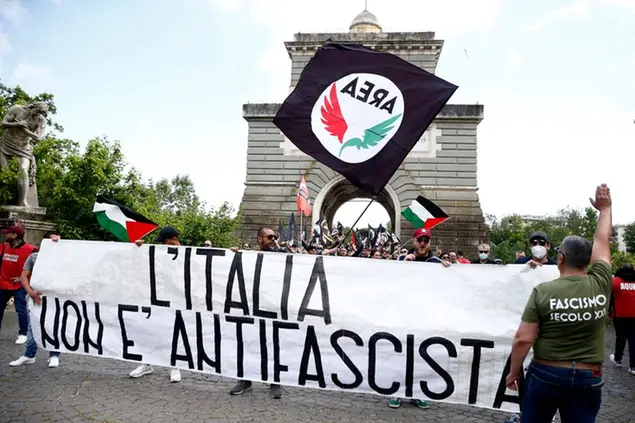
(351, 228)
(301, 227)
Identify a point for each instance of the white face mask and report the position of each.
(539, 251)
(483, 256)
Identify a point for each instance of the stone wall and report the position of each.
(32, 219)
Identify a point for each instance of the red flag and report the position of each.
(303, 198)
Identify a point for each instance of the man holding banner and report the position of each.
(422, 251)
(31, 346)
(167, 236)
(564, 322)
(267, 241)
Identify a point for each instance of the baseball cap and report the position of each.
(167, 233)
(538, 235)
(14, 230)
(422, 232)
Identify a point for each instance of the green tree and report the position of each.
(629, 238)
(510, 234)
(619, 258)
(69, 179)
(506, 237)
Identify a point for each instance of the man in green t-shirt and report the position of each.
(564, 322)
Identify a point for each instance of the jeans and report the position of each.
(19, 301)
(625, 332)
(31, 347)
(576, 393)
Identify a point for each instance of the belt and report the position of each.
(570, 364)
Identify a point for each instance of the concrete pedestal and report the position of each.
(32, 219)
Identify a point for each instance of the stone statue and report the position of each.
(24, 127)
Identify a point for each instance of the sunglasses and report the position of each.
(483, 252)
(423, 240)
(445, 257)
(538, 242)
(272, 237)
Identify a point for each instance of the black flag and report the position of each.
(360, 112)
(281, 234)
(382, 236)
(292, 235)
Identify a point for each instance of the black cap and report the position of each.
(538, 235)
(167, 233)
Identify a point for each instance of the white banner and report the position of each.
(407, 329)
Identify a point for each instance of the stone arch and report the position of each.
(339, 190)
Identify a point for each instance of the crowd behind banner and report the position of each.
(376, 243)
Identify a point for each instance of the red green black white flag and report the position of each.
(121, 221)
(360, 112)
(423, 213)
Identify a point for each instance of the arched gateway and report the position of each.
(441, 167)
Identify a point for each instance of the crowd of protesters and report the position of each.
(568, 354)
(385, 246)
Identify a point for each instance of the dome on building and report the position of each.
(365, 22)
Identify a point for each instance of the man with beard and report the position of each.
(422, 251)
(267, 241)
(13, 255)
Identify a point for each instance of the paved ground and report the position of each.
(86, 389)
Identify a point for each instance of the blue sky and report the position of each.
(168, 79)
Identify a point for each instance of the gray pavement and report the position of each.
(87, 389)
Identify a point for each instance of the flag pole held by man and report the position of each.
(564, 322)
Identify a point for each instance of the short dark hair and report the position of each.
(262, 230)
(459, 253)
(49, 234)
(626, 272)
(576, 251)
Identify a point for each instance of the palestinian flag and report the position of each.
(423, 213)
(121, 221)
(360, 112)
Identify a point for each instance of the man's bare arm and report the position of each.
(10, 121)
(523, 341)
(25, 277)
(26, 283)
(602, 240)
